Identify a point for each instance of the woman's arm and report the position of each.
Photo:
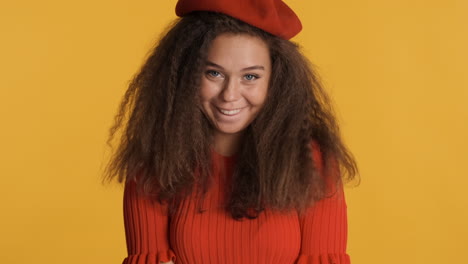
(324, 231)
(146, 229)
(324, 226)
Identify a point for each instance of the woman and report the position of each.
(231, 153)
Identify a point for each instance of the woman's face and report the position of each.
(235, 80)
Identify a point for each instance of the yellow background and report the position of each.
(397, 70)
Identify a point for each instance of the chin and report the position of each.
(230, 130)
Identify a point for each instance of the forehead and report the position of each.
(239, 50)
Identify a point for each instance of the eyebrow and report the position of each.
(255, 67)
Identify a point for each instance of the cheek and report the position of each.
(206, 91)
(258, 96)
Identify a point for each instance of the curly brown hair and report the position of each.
(165, 136)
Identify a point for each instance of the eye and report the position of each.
(213, 73)
(251, 77)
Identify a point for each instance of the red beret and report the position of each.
(273, 16)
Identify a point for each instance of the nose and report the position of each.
(231, 91)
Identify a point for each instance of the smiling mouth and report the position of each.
(230, 112)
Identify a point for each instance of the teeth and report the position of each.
(232, 112)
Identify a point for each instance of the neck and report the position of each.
(227, 144)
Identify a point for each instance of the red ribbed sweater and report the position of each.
(317, 237)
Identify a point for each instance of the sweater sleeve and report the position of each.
(146, 229)
(324, 227)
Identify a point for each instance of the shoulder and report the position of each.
(327, 167)
(316, 154)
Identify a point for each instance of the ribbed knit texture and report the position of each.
(189, 237)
